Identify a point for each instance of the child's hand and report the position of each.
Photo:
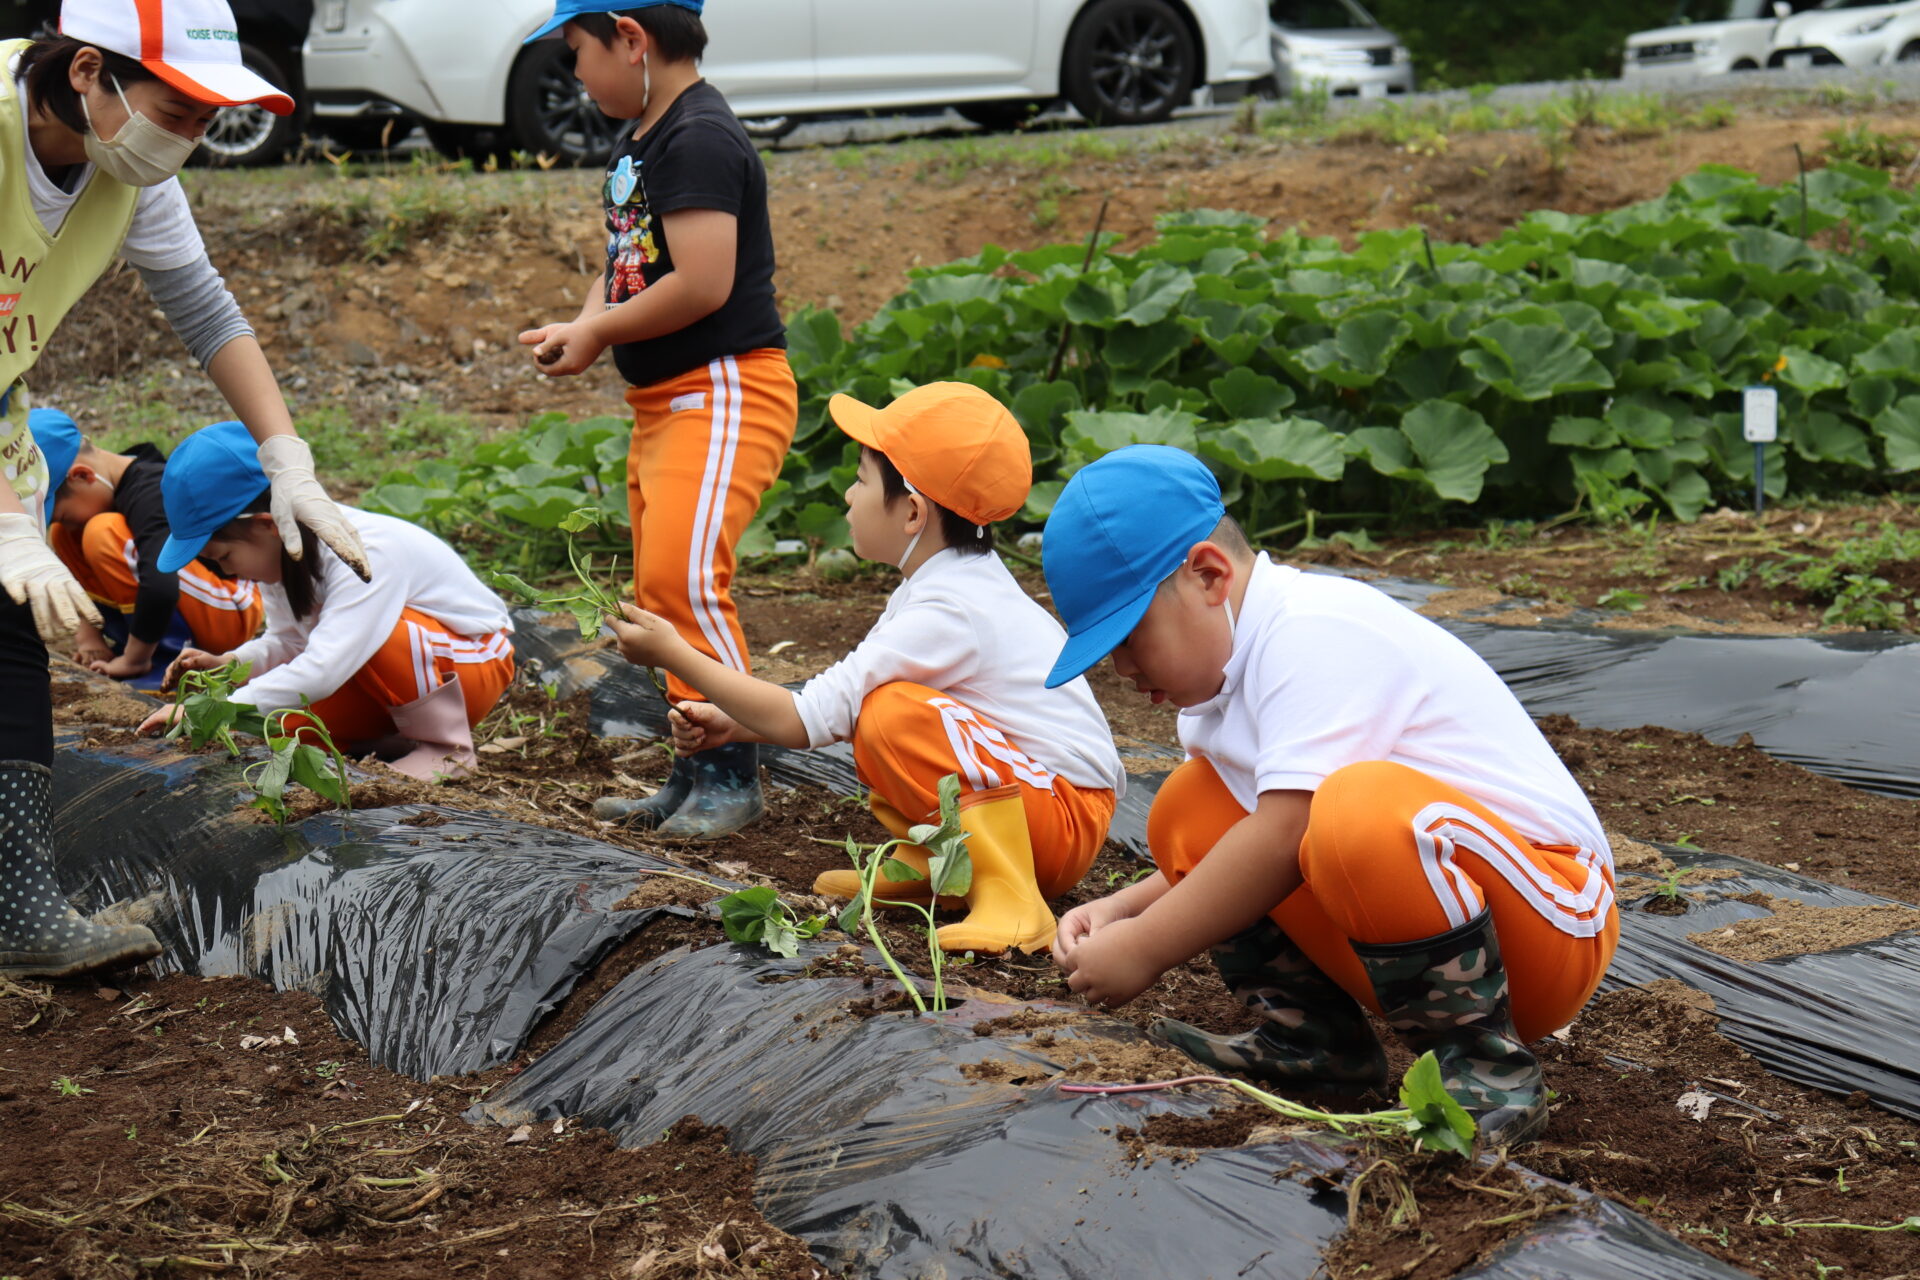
(700, 725)
(646, 639)
(191, 660)
(91, 650)
(161, 720)
(122, 667)
(561, 350)
(1113, 965)
(1078, 924)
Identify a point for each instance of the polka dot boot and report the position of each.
(41, 936)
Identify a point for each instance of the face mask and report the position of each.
(142, 154)
(914, 541)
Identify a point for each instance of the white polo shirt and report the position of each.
(962, 625)
(1328, 672)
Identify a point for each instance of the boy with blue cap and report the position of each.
(108, 523)
(405, 664)
(686, 303)
(1366, 815)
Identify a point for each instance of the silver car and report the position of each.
(1338, 46)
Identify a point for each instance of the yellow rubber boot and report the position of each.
(1007, 909)
(845, 884)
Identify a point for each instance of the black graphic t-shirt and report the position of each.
(696, 156)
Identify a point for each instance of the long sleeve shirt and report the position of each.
(316, 655)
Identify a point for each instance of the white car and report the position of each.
(1337, 46)
(1708, 38)
(371, 63)
(1849, 33)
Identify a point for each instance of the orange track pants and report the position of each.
(706, 446)
(419, 656)
(221, 614)
(1393, 855)
(909, 737)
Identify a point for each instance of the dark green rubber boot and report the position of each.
(1316, 1037)
(724, 795)
(649, 812)
(1448, 994)
(41, 935)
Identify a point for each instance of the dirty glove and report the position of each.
(33, 574)
(299, 500)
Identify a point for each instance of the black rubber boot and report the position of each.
(725, 795)
(649, 812)
(1315, 1036)
(41, 935)
(1448, 995)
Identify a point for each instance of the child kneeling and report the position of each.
(1367, 816)
(950, 680)
(405, 664)
(107, 522)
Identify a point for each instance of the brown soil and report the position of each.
(145, 1135)
(1795, 928)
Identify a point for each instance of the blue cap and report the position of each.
(58, 438)
(1118, 530)
(213, 476)
(565, 11)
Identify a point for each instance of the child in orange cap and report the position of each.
(950, 680)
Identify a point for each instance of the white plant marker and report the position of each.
(1760, 423)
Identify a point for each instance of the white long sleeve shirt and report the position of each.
(351, 619)
(962, 625)
(1328, 672)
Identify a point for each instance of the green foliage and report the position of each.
(208, 715)
(1859, 143)
(1589, 363)
(1543, 40)
(1435, 1121)
(590, 603)
(1575, 360)
(758, 916)
(510, 500)
(949, 868)
(1847, 578)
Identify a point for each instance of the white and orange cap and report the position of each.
(192, 45)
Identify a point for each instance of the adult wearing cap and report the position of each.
(94, 125)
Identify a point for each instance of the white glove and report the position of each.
(33, 574)
(299, 500)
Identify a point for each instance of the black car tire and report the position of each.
(365, 133)
(243, 136)
(1001, 113)
(1130, 62)
(476, 142)
(548, 113)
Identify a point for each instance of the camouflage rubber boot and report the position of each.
(649, 812)
(1316, 1036)
(723, 797)
(1448, 994)
(41, 935)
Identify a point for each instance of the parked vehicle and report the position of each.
(1337, 46)
(1708, 38)
(997, 61)
(1849, 33)
(271, 32)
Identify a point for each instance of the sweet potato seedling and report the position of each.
(590, 603)
(208, 714)
(949, 868)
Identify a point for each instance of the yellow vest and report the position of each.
(41, 275)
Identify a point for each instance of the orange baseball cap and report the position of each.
(952, 442)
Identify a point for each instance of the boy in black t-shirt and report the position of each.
(686, 303)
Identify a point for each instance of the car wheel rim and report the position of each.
(568, 117)
(237, 132)
(1135, 68)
